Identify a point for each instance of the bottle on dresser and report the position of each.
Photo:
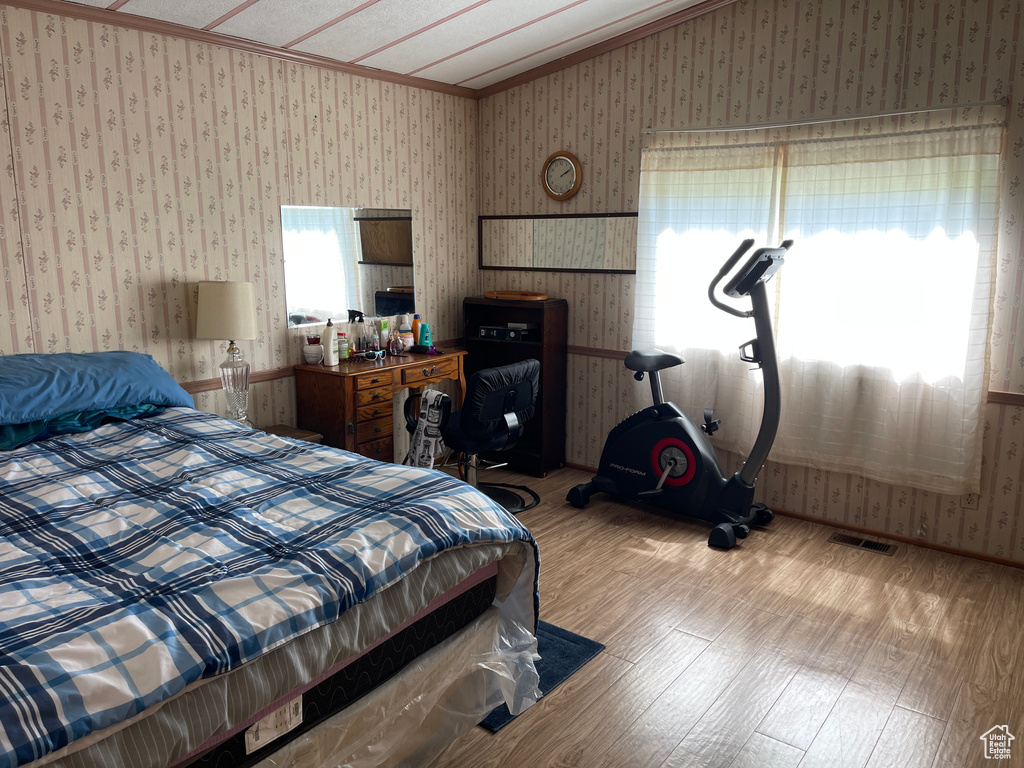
(405, 331)
(330, 344)
(360, 334)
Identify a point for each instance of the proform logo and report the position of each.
(630, 470)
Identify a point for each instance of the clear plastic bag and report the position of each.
(414, 715)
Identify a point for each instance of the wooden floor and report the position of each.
(785, 651)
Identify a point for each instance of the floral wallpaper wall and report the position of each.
(749, 63)
(136, 164)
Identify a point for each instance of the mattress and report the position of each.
(183, 730)
(161, 513)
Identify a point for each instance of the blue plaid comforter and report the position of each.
(145, 555)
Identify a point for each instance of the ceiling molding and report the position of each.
(143, 24)
(626, 38)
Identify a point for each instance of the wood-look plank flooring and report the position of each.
(785, 651)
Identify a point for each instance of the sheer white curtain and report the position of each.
(883, 306)
(321, 253)
(696, 205)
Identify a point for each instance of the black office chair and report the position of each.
(498, 402)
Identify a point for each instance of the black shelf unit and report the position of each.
(542, 447)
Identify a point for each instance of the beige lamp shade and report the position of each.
(227, 310)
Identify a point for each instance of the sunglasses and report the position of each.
(370, 354)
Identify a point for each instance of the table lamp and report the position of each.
(227, 311)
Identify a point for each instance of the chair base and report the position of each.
(511, 500)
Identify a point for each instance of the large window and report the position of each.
(882, 307)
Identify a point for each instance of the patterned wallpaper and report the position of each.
(137, 164)
(756, 62)
(143, 163)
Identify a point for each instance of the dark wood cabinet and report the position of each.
(542, 447)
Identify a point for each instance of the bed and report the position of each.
(176, 589)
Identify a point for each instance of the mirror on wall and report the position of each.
(576, 243)
(341, 259)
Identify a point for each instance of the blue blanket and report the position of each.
(142, 556)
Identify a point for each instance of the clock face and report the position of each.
(561, 176)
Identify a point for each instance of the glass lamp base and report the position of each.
(234, 376)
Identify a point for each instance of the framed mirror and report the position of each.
(341, 259)
(598, 242)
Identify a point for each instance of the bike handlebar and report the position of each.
(726, 268)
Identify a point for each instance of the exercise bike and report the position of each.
(658, 456)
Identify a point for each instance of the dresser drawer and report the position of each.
(374, 429)
(373, 396)
(382, 450)
(375, 410)
(443, 368)
(371, 379)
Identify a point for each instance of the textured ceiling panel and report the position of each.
(379, 25)
(518, 51)
(279, 22)
(468, 29)
(190, 13)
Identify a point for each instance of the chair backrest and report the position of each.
(493, 393)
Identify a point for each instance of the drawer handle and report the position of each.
(379, 449)
(431, 372)
(376, 395)
(376, 411)
(375, 380)
(376, 429)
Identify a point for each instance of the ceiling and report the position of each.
(468, 43)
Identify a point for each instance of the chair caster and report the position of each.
(723, 536)
(579, 496)
(762, 515)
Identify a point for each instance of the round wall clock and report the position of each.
(561, 175)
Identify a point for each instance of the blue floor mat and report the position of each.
(561, 653)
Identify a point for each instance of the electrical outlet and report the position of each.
(969, 501)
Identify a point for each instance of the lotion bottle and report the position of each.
(405, 331)
(330, 344)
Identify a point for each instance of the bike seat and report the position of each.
(651, 360)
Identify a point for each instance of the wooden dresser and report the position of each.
(352, 404)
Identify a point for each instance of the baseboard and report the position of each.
(869, 531)
(901, 538)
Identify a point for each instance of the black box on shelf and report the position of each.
(503, 332)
